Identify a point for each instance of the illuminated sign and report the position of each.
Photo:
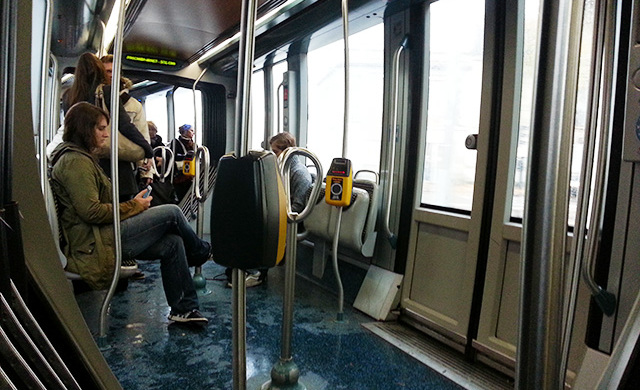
(152, 62)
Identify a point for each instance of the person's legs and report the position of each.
(142, 230)
(176, 278)
(163, 233)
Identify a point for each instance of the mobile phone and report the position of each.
(148, 192)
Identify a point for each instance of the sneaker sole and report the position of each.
(200, 321)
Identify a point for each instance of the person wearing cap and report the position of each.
(182, 147)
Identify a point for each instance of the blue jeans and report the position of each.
(162, 232)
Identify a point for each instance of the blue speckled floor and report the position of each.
(148, 352)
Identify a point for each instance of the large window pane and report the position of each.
(155, 107)
(532, 16)
(326, 99)
(454, 85)
(184, 110)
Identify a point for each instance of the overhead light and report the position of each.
(270, 16)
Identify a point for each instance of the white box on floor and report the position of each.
(379, 293)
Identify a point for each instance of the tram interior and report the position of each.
(431, 261)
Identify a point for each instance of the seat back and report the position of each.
(248, 212)
(358, 219)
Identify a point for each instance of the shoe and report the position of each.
(251, 280)
(200, 262)
(138, 275)
(193, 317)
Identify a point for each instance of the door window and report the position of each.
(454, 92)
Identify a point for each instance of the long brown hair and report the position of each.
(88, 75)
(80, 123)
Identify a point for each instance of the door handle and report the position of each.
(471, 142)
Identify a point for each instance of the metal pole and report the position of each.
(545, 218)
(202, 169)
(243, 105)
(44, 109)
(285, 373)
(115, 102)
(601, 92)
(395, 77)
(345, 32)
(336, 239)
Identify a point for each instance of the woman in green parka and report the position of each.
(83, 192)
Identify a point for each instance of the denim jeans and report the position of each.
(162, 232)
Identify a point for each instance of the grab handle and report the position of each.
(202, 160)
(165, 168)
(393, 239)
(284, 162)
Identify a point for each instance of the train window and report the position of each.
(326, 99)
(454, 85)
(532, 16)
(256, 135)
(155, 108)
(184, 110)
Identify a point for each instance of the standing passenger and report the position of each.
(136, 113)
(83, 192)
(89, 76)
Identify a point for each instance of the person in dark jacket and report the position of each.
(83, 193)
(89, 76)
(182, 147)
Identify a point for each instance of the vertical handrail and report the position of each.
(546, 204)
(242, 109)
(278, 113)
(54, 99)
(43, 109)
(605, 300)
(395, 76)
(115, 102)
(195, 101)
(345, 147)
(201, 159)
(268, 102)
(600, 106)
(345, 32)
(285, 373)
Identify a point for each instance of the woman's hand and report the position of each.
(145, 202)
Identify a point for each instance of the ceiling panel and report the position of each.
(180, 29)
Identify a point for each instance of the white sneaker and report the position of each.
(192, 316)
(251, 280)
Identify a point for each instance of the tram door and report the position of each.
(470, 179)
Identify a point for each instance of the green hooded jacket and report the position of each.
(83, 194)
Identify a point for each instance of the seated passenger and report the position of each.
(182, 147)
(299, 176)
(84, 195)
(163, 190)
(299, 184)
